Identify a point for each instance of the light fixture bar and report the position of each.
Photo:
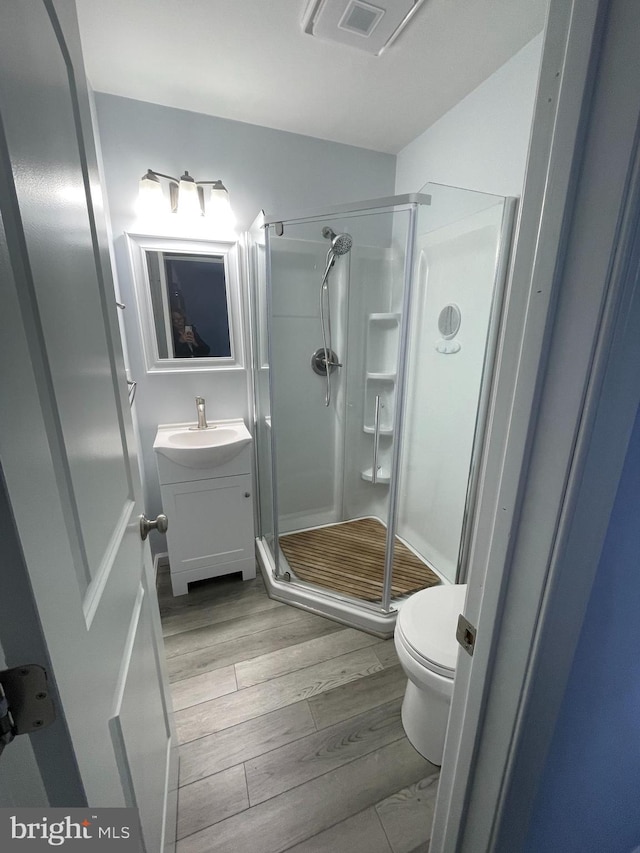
(150, 174)
(187, 197)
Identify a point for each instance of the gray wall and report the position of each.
(263, 169)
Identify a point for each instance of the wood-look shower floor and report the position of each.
(349, 558)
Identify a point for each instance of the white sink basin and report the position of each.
(202, 448)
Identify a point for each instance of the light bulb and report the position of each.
(219, 207)
(188, 199)
(151, 199)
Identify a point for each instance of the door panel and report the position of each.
(65, 431)
(140, 736)
(334, 462)
(50, 183)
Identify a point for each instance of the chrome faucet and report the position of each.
(202, 417)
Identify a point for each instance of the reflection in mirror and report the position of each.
(189, 301)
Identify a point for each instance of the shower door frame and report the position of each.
(376, 618)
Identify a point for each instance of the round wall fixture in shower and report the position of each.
(449, 321)
(319, 365)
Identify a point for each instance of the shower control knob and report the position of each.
(161, 523)
(319, 364)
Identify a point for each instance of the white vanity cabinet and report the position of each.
(210, 514)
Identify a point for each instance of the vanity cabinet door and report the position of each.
(210, 529)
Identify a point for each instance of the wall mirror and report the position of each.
(188, 296)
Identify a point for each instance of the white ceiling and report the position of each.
(250, 60)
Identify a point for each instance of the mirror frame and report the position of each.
(138, 245)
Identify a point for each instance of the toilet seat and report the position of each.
(426, 627)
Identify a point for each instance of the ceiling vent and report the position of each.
(366, 26)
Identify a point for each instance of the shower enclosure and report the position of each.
(374, 330)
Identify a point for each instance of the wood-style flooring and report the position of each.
(290, 729)
(350, 557)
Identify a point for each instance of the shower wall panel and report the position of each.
(306, 431)
(455, 264)
(370, 289)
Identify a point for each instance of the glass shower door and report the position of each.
(334, 463)
(262, 397)
(462, 247)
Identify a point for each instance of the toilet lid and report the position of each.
(428, 622)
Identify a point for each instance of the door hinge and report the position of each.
(466, 634)
(25, 702)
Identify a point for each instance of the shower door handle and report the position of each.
(376, 440)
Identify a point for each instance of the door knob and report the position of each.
(160, 524)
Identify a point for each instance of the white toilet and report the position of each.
(425, 639)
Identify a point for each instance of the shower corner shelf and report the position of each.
(384, 318)
(383, 431)
(383, 479)
(382, 376)
(380, 388)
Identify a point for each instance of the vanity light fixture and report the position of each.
(186, 197)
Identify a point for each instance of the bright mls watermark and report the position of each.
(70, 829)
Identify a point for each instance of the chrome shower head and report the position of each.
(340, 243)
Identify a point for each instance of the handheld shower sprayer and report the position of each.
(340, 245)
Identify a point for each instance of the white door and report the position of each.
(66, 442)
(566, 396)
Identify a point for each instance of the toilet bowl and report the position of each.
(425, 640)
